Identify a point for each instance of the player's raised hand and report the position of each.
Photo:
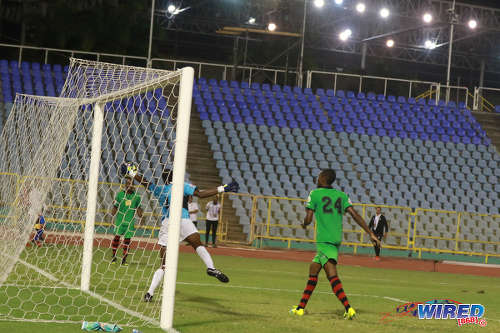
(231, 187)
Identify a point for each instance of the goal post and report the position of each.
(60, 159)
(183, 117)
(88, 237)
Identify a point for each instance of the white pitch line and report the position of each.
(282, 290)
(91, 293)
(473, 264)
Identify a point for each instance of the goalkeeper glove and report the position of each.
(128, 169)
(231, 187)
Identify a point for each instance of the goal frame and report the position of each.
(179, 168)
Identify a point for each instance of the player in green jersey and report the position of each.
(328, 205)
(127, 204)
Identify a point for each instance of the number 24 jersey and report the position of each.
(329, 206)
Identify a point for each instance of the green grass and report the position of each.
(257, 298)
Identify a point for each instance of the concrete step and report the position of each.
(490, 122)
(203, 172)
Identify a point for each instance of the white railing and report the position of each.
(486, 99)
(343, 81)
(315, 79)
(387, 86)
(214, 70)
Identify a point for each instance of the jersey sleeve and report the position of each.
(310, 202)
(189, 189)
(155, 189)
(346, 203)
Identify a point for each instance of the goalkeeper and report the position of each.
(188, 231)
(127, 204)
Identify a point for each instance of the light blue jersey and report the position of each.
(163, 194)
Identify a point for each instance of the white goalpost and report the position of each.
(60, 160)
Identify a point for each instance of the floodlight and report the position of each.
(429, 44)
(384, 12)
(389, 43)
(427, 18)
(472, 24)
(339, 2)
(271, 26)
(344, 35)
(319, 3)
(171, 9)
(361, 7)
(251, 20)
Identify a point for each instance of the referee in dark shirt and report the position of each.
(378, 224)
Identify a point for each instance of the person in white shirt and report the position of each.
(213, 208)
(193, 210)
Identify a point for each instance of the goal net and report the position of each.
(52, 181)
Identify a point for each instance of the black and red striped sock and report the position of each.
(126, 244)
(311, 284)
(338, 291)
(114, 244)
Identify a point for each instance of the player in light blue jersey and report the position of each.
(188, 231)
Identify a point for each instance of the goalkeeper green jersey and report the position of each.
(329, 206)
(127, 204)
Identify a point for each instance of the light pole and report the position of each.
(453, 21)
(301, 58)
(151, 32)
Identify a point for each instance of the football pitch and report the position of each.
(258, 297)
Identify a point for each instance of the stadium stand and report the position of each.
(275, 139)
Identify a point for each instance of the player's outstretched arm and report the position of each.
(359, 220)
(231, 187)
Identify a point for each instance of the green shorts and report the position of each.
(325, 251)
(125, 229)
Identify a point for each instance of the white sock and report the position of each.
(157, 278)
(205, 256)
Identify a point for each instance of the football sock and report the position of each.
(126, 244)
(338, 291)
(157, 278)
(114, 244)
(311, 284)
(377, 250)
(205, 256)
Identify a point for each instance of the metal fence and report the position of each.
(420, 230)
